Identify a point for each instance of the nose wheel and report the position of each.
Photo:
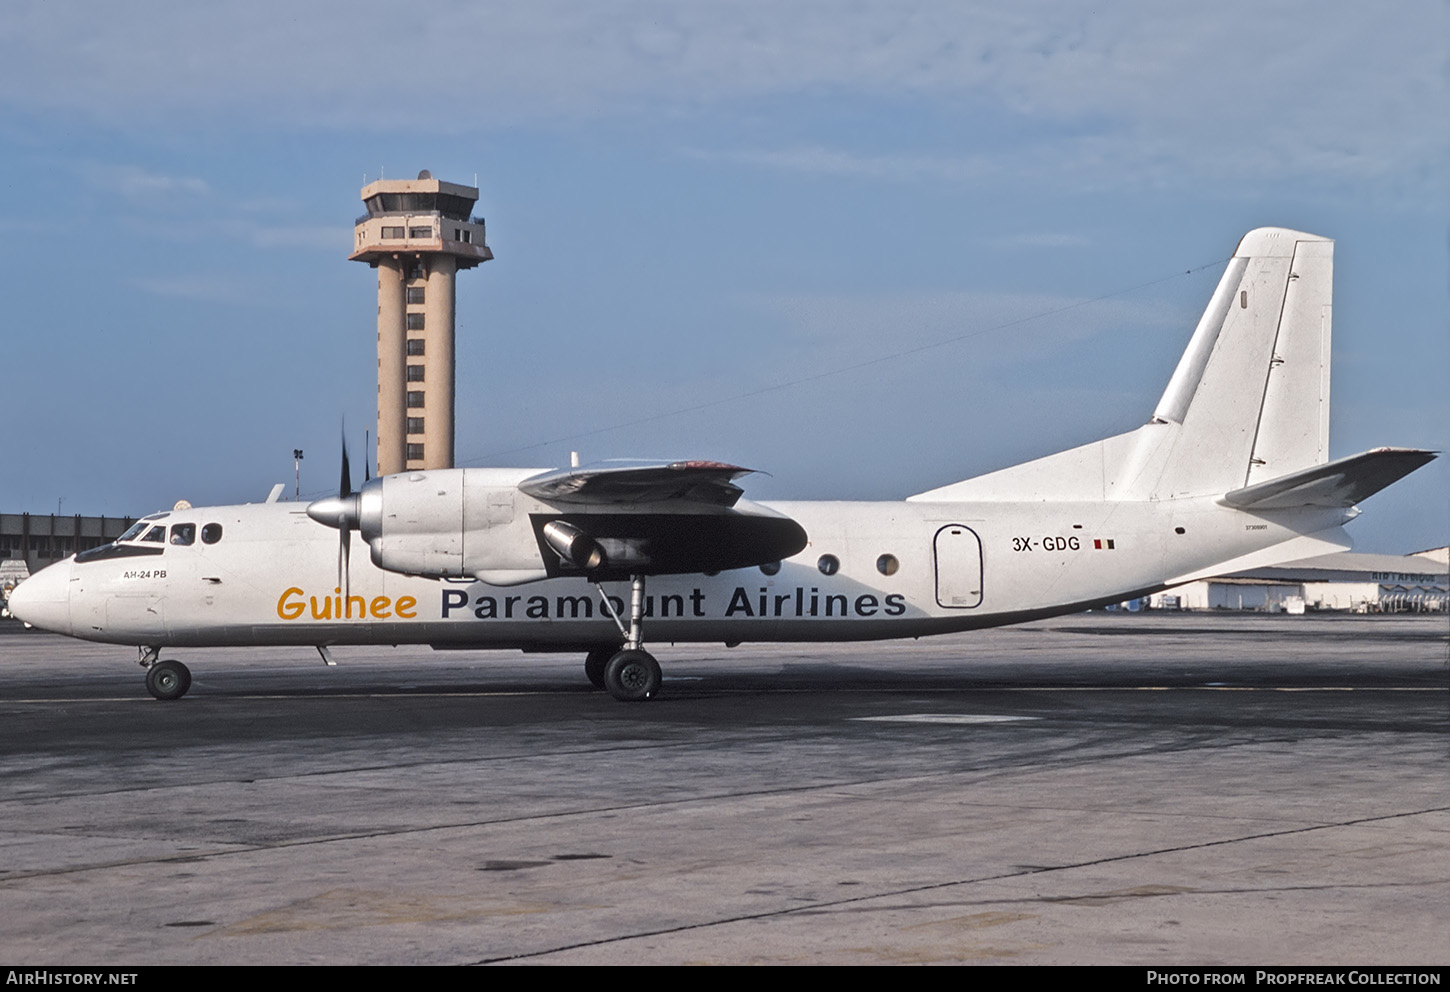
(168, 679)
(630, 675)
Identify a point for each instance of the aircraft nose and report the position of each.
(43, 600)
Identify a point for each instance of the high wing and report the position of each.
(616, 519)
(708, 483)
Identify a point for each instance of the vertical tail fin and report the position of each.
(1248, 403)
(1251, 394)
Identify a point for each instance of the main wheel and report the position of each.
(632, 676)
(168, 680)
(594, 664)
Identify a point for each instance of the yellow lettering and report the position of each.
(291, 606)
(290, 610)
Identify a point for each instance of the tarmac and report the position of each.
(1193, 789)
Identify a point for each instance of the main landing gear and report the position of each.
(164, 679)
(630, 674)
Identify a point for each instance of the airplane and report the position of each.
(1232, 471)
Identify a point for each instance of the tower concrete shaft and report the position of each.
(418, 233)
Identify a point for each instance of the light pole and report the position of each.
(297, 465)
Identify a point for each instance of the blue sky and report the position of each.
(989, 211)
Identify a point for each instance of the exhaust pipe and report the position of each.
(574, 546)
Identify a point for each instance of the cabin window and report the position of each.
(887, 564)
(829, 564)
(770, 567)
(211, 533)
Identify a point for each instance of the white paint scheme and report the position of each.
(1108, 521)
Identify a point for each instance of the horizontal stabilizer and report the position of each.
(1343, 482)
(709, 483)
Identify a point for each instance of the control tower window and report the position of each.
(415, 373)
(415, 346)
(393, 233)
(415, 321)
(420, 232)
(415, 425)
(415, 452)
(415, 401)
(454, 207)
(416, 294)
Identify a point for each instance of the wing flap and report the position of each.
(1343, 482)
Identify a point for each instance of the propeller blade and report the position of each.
(342, 511)
(344, 486)
(344, 562)
(344, 546)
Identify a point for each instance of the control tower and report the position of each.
(418, 233)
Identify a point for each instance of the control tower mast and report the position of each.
(418, 233)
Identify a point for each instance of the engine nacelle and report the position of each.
(450, 523)
(478, 523)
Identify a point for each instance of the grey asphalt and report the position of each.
(1114, 789)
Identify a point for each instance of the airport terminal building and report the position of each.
(38, 539)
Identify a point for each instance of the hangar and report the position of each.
(1347, 581)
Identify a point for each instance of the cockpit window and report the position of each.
(133, 531)
(156, 534)
(211, 533)
(183, 534)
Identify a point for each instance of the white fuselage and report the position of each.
(272, 578)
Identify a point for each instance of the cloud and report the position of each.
(823, 161)
(329, 237)
(1044, 240)
(138, 183)
(1137, 89)
(203, 287)
(993, 328)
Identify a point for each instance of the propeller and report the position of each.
(340, 511)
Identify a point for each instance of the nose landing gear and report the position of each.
(165, 680)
